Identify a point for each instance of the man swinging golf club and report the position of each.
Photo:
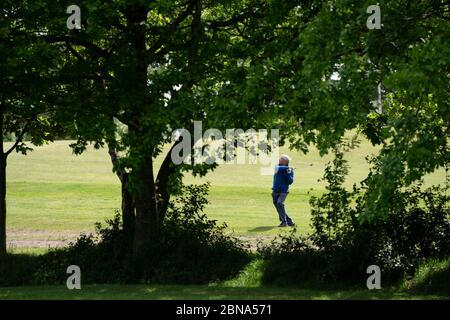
(283, 177)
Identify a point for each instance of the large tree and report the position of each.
(152, 67)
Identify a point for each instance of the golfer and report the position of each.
(283, 177)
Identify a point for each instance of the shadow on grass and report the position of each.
(262, 229)
(218, 292)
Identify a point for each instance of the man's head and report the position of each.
(284, 160)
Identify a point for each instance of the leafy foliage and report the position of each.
(341, 72)
(29, 70)
(342, 245)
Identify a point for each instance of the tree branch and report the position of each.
(75, 52)
(171, 28)
(79, 42)
(251, 13)
(19, 139)
(162, 181)
(114, 159)
(102, 75)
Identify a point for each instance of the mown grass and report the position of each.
(54, 195)
(129, 292)
(431, 276)
(431, 281)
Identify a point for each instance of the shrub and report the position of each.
(343, 244)
(418, 229)
(291, 260)
(17, 269)
(193, 248)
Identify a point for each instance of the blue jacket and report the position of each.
(282, 178)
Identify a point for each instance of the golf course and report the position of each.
(54, 196)
(224, 150)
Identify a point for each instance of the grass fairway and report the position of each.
(53, 196)
(129, 292)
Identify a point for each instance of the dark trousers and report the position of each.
(278, 202)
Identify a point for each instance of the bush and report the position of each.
(292, 261)
(418, 229)
(104, 257)
(191, 249)
(17, 269)
(343, 244)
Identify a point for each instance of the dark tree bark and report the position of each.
(3, 161)
(128, 214)
(2, 192)
(147, 224)
(167, 169)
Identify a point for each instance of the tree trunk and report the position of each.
(165, 173)
(147, 222)
(2, 193)
(128, 215)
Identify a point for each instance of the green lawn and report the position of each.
(128, 292)
(54, 195)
